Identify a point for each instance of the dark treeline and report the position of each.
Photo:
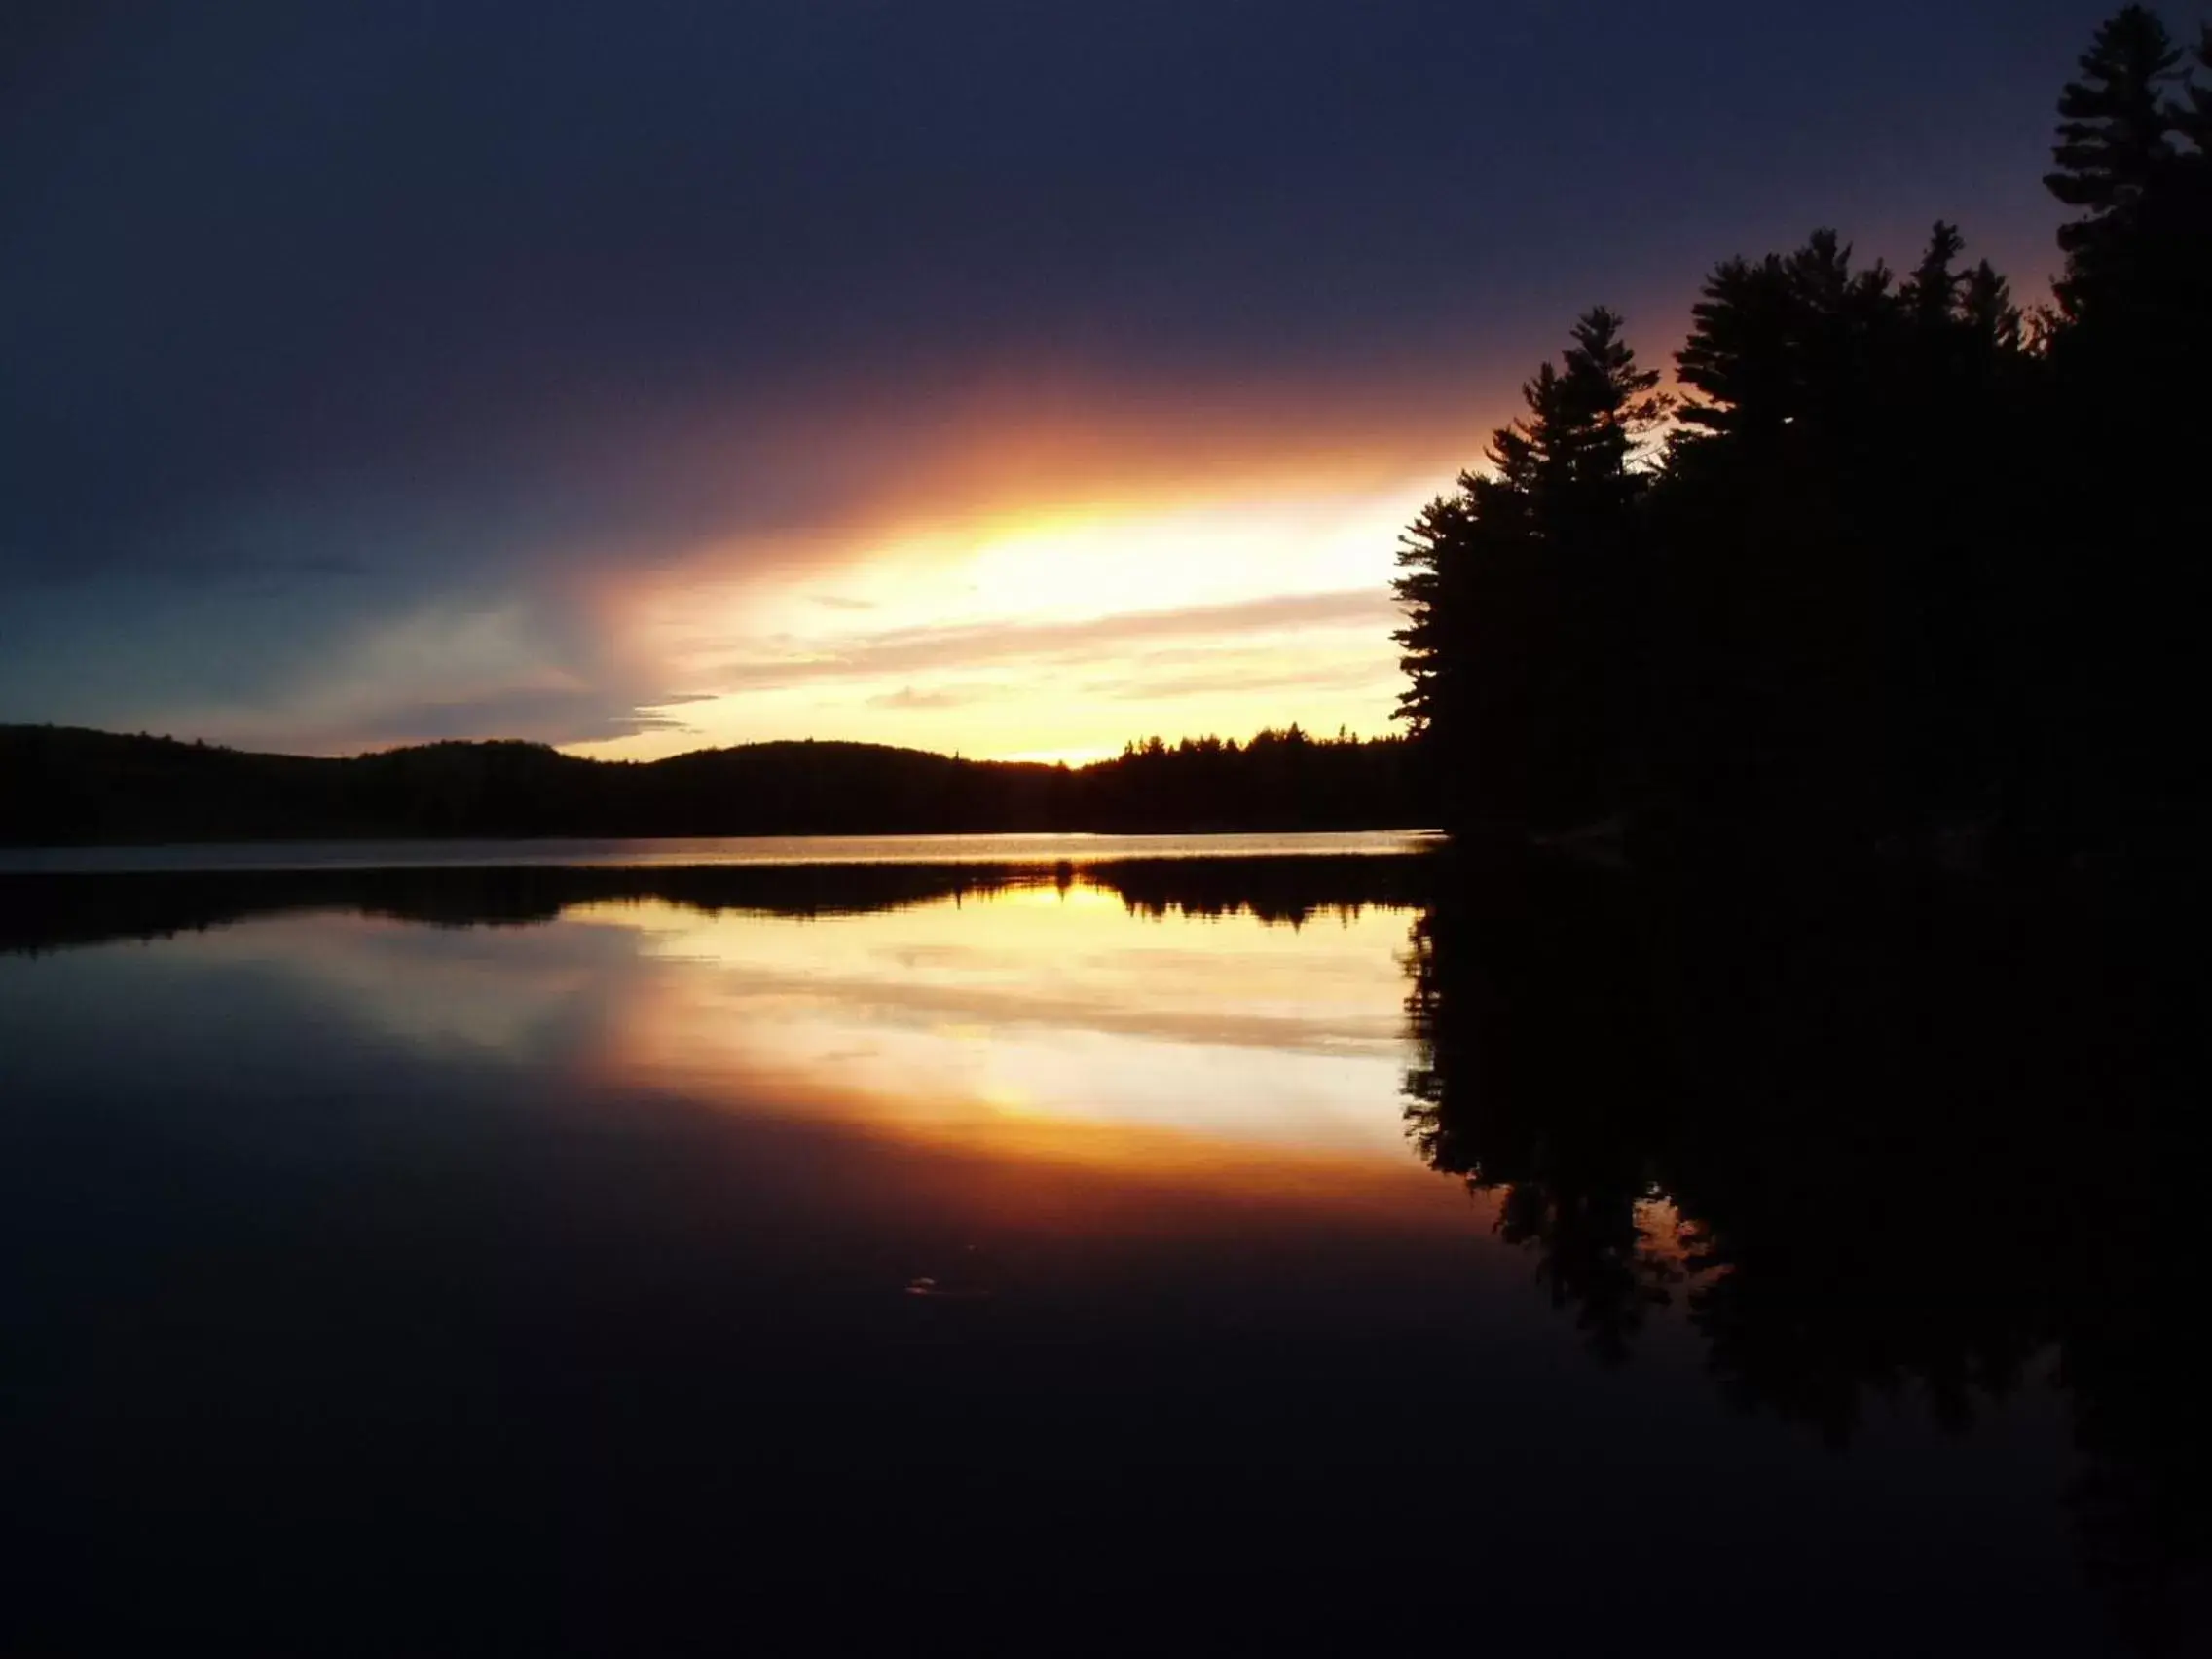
(1905, 564)
(63, 787)
(1884, 1133)
(54, 911)
(1901, 569)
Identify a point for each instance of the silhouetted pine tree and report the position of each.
(2115, 140)
(1908, 568)
(1519, 636)
(1932, 292)
(1777, 689)
(2131, 346)
(2196, 119)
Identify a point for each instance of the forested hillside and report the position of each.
(61, 786)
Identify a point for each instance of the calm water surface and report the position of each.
(715, 851)
(480, 1262)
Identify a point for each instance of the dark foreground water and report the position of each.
(1178, 1253)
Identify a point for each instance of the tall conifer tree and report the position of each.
(2115, 137)
(1513, 637)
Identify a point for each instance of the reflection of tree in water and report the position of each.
(52, 911)
(1531, 1083)
(1918, 1137)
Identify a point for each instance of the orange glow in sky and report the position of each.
(1058, 628)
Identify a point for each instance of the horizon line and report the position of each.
(1071, 759)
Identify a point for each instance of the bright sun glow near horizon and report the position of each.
(1052, 632)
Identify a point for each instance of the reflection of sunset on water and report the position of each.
(1047, 1026)
(1058, 1050)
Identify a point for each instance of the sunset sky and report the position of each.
(1008, 379)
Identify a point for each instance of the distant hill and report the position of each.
(67, 786)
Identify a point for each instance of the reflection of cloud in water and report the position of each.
(1026, 1025)
(1034, 1008)
(440, 991)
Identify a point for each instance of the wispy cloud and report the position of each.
(1267, 674)
(944, 697)
(907, 651)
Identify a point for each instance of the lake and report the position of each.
(446, 1252)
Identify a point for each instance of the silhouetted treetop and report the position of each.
(2115, 137)
(1489, 571)
(1850, 605)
